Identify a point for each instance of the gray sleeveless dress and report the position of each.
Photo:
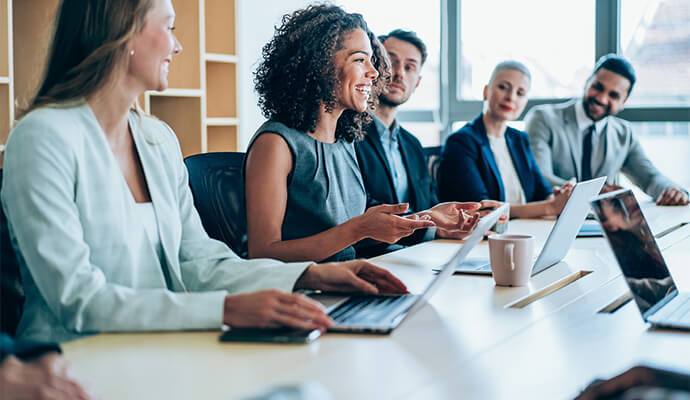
(325, 186)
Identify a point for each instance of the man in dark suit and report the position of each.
(392, 160)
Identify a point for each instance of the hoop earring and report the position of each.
(131, 52)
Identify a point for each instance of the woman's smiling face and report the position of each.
(356, 72)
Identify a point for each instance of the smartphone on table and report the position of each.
(270, 335)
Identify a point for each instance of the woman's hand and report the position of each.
(560, 197)
(452, 219)
(488, 206)
(350, 276)
(273, 308)
(380, 223)
(47, 377)
(453, 216)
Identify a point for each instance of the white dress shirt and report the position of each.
(512, 186)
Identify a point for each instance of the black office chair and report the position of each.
(433, 162)
(218, 189)
(11, 289)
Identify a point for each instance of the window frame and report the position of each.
(451, 108)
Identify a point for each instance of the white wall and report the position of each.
(255, 25)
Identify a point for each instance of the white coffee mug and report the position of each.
(511, 258)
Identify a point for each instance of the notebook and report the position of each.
(641, 262)
(561, 236)
(382, 313)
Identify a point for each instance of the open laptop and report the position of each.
(383, 312)
(561, 237)
(641, 262)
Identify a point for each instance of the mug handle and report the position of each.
(508, 255)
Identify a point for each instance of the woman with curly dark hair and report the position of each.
(318, 82)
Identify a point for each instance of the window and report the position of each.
(419, 114)
(655, 37)
(553, 38)
(667, 144)
(384, 16)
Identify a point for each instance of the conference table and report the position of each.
(473, 340)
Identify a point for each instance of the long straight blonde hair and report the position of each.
(89, 42)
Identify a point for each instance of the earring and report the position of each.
(131, 52)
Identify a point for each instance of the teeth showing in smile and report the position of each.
(363, 89)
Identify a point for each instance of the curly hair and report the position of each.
(298, 72)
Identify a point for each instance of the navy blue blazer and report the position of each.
(468, 170)
(377, 176)
(378, 181)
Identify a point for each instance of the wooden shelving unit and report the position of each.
(6, 87)
(200, 103)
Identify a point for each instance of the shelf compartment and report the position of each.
(179, 93)
(221, 138)
(221, 58)
(5, 122)
(183, 114)
(220, 26)
(221, 121)
(221, 90)
(185, 69)
(4, 39)
(32, 32)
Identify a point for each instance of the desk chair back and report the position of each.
(218, 188)
(433, 161)
(11, 289)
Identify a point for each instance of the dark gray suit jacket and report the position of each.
(557, 146)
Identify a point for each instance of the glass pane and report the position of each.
(667, 144)
(428, 133)
(553, 38)
(384, 16)
(655, 37)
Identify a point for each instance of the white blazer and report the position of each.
(86, 262)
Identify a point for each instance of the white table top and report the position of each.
(467, 343)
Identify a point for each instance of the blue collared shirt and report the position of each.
(390, 140)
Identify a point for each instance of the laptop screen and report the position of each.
(449, 267)
(636, 250)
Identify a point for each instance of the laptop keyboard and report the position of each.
(367, 309)
(485, 265)
(681, 313)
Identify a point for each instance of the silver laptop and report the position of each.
(561, 237)
(641, 262)
(382, 313)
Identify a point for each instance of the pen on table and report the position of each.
(669, 230)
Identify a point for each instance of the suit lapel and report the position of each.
(412, 176)
(153, 176)
(488, 155)
(375, 140)
(574, 137)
